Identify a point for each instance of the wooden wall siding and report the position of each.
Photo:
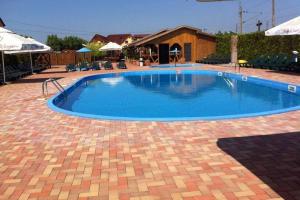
(68, 57)
(206, 46)
(202, 45)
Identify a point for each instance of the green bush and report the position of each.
(95, 46)
(255, 44)
(223, 43)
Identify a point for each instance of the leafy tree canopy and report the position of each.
(95, 46)
(55, 42)
(68, 42)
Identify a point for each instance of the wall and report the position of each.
(129, 41)
(202, 45)
(68, 57)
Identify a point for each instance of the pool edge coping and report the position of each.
(53, 107)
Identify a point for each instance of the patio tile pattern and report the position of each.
(48, 155)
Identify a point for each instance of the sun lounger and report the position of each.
(108, 65)
(83, 66)
(122, 65)
(70, 68)
(95, 66)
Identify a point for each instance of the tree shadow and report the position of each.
(275, 159)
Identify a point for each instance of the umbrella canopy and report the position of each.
(43, 48)
(10, 41)
(84, 50)
(7, 41)
(291, 27)
(111, 47)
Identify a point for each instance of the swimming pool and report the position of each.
(177, 65)
(171, 95)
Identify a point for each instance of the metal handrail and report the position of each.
(58, 86)
(228, 82)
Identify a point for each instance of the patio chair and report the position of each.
(70, 68)
(259, 62)
(285, 63)
(122, 65)
(83, 66)
(108, 65)
(95, 66)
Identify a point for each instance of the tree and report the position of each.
(95, 46)
(68, 42)
(55, 42)
(73, 42)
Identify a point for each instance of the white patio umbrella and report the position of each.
(291, 27)
(10, 41)
(43, 48)
(111, 46)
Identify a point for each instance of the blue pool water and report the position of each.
(171, 95)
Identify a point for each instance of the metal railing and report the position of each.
(58, 86)
(229, 82)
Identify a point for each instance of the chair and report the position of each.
(95, 66)
(122, 65)
(83, 66)
(70, 68)
(108, 65)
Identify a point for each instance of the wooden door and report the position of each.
(188, 52)
(164, 53)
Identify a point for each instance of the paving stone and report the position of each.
(49, 155)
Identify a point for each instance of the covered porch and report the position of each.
(190, 44)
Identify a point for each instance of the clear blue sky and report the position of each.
(84, 18)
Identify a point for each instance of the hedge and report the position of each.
(255, 44)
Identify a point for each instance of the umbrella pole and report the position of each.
(31, 62)
(3, 67)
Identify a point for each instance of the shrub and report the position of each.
(255, 44)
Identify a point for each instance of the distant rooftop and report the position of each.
(2, 23)
(117, 38)
(164, 32)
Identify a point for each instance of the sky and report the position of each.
(84, 18)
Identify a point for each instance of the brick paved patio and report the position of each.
(48, 155)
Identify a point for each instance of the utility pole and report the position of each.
(241, 11)
(241, 17)
(273, 13)
(259, 24)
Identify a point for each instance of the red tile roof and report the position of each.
(99, 38)
(118, 38)
(1, 23)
